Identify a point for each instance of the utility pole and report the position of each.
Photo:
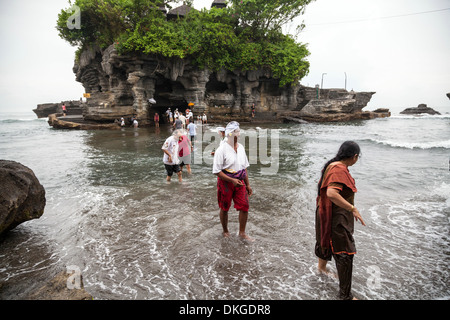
(345, 80)
(321, 84)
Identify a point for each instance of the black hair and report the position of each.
(347, 150)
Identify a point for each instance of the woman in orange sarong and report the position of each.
(335, 212)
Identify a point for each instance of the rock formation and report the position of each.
(78, 123)
(339, 105)
(22, 197)
(420, 109)
(122, 86)
(45, 109)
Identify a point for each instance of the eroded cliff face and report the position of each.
(121, 86)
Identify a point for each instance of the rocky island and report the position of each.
(122, 85)
(211, 62)
(420, 109)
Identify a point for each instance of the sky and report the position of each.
(399, 49)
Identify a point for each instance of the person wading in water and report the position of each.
(335, 215)
(230, 166)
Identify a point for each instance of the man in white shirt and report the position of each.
(230, 166)
(189, 116)
(170, 159)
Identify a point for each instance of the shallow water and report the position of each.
(110, 212)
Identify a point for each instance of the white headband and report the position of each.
(233, 125)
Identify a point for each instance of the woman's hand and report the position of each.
(357, 216)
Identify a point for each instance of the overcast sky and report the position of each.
(398, 48)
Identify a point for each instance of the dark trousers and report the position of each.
(344, 266)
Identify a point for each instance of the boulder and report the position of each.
(22, 197)
(420, 109)
(73, 107)
(336, 105)
(78, 123)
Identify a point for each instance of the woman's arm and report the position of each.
(335, 197)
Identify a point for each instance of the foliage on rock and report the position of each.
(247, 35)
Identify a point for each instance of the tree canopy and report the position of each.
(246, 35)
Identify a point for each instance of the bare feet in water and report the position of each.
(245, 237)
(241, 236)
(322, 268)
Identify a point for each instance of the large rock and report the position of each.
(122, 85)
(420, 109)
(22, 197)
(78, 123)
(73, 107)
(335, 105)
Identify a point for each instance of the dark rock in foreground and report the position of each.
(22, 197)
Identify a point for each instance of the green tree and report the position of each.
(265, 16)
(246, 35)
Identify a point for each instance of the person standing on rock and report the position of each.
(230, 166)
(170, 159)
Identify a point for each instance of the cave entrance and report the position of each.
(168, 94)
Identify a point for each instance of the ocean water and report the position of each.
(111, 214)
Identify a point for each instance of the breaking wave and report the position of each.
(414, 145)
